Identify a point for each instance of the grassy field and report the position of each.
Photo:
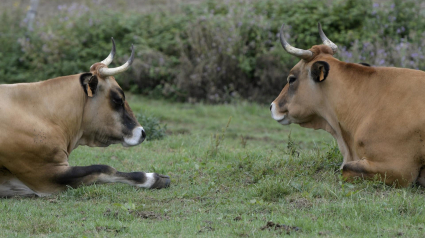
(247, 178)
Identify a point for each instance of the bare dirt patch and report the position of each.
(281, 228)
(111, 229)
(301, 203)
(150, 215)
(205, 229)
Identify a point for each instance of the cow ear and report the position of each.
(319, 71)
(89, 83)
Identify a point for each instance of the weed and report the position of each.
(243, 142)
(291, 148)
(273, 189)
(331, 159)
(128, 207)
(217, 139)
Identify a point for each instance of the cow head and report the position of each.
(107, 117)
(301, 98)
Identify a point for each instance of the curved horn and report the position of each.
(112, 71)
(111, 55)
(325, 39)
(303, 54)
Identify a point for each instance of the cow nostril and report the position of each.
(143, 134)
(271, 107)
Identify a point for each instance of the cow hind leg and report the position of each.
(11, 186)
(421, 178)
(401, 176)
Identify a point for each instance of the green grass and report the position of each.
(222, 185)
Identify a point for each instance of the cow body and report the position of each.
(42, 123)
(376, 114)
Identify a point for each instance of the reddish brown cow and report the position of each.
(42, 123)
(376, 114)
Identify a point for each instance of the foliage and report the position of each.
(396, 37)
(12, 69)
(214, 51)
(152, 127)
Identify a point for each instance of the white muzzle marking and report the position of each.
(275, 114)
(136, 138)
(279, 117)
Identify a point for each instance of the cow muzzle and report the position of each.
(138, 136)
(280, 117)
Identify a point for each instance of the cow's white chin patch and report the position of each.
(136, 138)
(278, 117)
(284, 121)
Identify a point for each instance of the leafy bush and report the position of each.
(12, 35)
(153, 129)
(395, 37)
(215, 51)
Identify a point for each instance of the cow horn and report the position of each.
(303, 54)
(111, 55)
(325, 39)
(112, 71)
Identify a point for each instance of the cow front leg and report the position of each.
(86, 175)
(401, 175)
(53, 179)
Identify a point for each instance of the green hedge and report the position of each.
(213, 51)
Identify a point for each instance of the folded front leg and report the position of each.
(58, 178)
(400, 174)
(86, 175)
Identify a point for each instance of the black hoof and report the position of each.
(162, 181)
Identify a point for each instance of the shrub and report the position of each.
(12, 69)
(395, 37)
(215, 51)
(152, 127)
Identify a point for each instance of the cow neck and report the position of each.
(348, 103)
(64, 99)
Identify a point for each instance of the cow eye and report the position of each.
(291, 79)
(118, 101)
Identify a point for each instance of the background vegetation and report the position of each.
(212, 51)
